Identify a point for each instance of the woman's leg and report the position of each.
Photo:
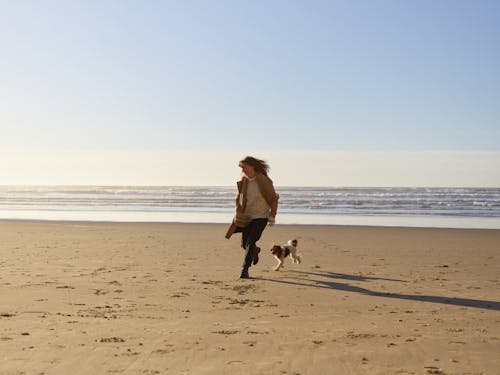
(250, 235)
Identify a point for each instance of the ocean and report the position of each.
(386, 206)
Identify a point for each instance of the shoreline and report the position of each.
(415, 221)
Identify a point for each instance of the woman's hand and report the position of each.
(271, 221)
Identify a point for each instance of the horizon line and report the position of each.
(277, 185)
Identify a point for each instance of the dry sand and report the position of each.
(109, 298)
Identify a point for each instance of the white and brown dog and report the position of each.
(281, 252)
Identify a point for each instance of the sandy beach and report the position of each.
(112, 298)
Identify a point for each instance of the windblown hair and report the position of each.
(260, 166)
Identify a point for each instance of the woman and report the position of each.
(256, 206)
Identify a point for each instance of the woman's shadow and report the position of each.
(303, 278)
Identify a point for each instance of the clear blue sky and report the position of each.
(225, 75)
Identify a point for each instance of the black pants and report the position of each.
(249, 236)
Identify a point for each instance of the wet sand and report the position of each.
(113, 298)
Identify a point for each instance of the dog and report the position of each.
(280, 252)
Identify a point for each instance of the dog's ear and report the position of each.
(294, 242)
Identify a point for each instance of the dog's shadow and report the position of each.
(323, 280)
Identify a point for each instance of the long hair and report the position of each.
(260, 166)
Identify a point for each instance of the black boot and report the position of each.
(244, 274)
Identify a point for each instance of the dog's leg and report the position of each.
(293, 256)
(296, 257)
(276, 268)
(280, 264)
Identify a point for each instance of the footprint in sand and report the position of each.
(163, 351)
(434, 370)
(227, 332)
(99, 292)
(65, 287)
(111, 339)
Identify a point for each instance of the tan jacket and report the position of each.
(266, 189)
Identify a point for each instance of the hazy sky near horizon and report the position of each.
(139, 78)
